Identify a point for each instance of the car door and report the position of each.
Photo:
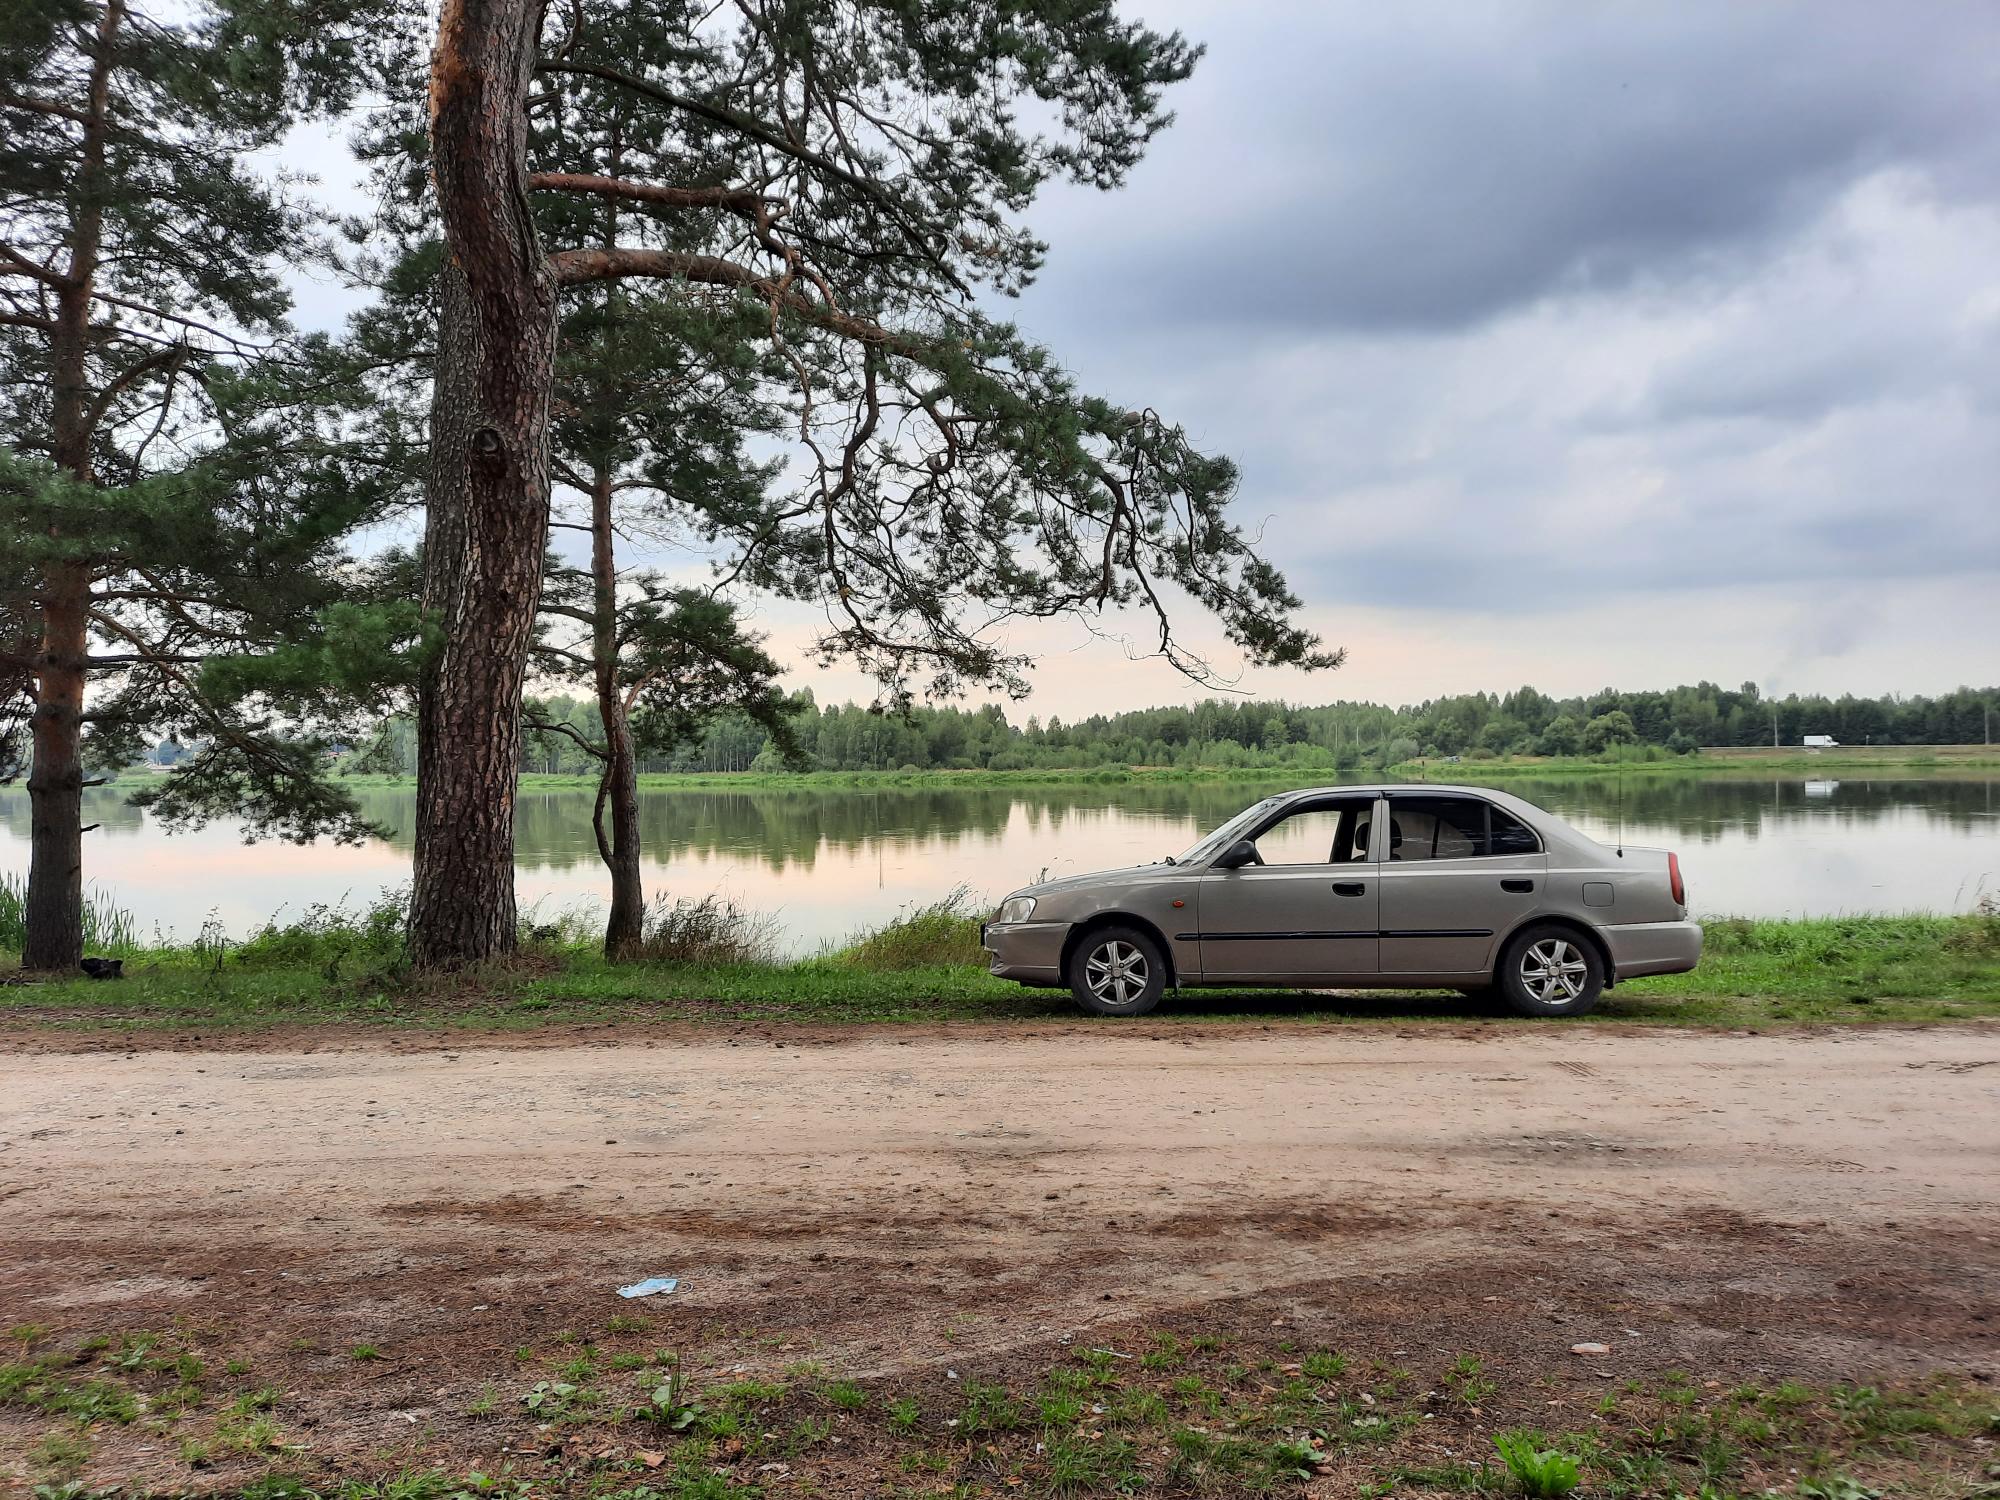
(1459, 873)
(1308, 914)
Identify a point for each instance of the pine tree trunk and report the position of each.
(624, 930)
(488, 486)
(54, 913)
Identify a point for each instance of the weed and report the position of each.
(1468, 1381)
(669, 1404)
(1077, 1467)
(485, 1404)
(626, 1323)
(61, 1453)
(904, 1414)
(27, 1335)
(1322, 1365)
(847, 1395)
(1546, 1473)
(365, 1352)
(1295, 1458)
(988, 1408)
(549, 1397)
(254, 1435)
(1058, 1408)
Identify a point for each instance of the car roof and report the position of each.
(1402, 786)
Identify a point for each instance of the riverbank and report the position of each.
(1639, 760)
(926, 968)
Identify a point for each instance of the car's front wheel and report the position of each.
(1116, 971)
(1550, 971)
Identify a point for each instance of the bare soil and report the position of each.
(899, 1204)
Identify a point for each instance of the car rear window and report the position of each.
(1454, 828)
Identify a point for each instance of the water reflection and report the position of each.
(831, 860)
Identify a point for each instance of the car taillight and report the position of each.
(1674, 880)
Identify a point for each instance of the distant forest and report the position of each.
(1227, 733)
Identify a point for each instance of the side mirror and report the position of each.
(1237, 855)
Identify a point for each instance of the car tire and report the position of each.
(1550, 970)
(1116, 971)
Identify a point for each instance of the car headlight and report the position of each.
(1016, 909)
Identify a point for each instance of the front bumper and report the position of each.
(1653, 948)
(1030, 952)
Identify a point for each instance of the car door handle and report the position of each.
(1517, 887)
(1349, 888)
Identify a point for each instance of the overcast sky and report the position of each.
(1572, 345)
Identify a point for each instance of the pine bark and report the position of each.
(618, 790)
(53, 917)
(488, 487)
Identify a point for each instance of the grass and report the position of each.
(108, 928)
(1237, 1421)
(923, 967)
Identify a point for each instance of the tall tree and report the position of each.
(164, 501)
(658, 397)
(852, 172)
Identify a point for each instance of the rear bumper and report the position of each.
(1030, 952)
(1653, 948)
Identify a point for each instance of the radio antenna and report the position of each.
(1621, 809)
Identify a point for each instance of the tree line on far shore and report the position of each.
(1222, 733)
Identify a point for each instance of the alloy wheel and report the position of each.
(1116, 973)
(1554, 970)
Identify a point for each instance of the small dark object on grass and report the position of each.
(104, 968)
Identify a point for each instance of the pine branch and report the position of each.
(743, 124)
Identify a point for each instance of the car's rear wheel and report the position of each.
(1551, 971)
(1117, 971)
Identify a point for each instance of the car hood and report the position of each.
(1095, 877)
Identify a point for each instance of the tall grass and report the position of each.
(711, 930)
(941, 933)
(107, 926)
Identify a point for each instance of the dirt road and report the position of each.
(1825, 1203)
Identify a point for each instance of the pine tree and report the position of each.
(852, 173)
(175, 482)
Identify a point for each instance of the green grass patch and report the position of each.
(339, 968)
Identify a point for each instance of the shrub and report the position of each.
(329, 937)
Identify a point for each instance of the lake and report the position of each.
(827, 861)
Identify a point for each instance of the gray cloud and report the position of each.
(1513, 309)
(1423, 166)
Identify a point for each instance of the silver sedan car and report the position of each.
(1361, 887)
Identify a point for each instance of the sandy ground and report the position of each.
(1821, 1204)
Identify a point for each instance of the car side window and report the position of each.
(1511, 835)
(1454, 828)
(1327, 833)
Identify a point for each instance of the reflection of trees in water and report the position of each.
(101, 805)
(782, 827)
(1709, 807)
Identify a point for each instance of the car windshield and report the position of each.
(1227, 834)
